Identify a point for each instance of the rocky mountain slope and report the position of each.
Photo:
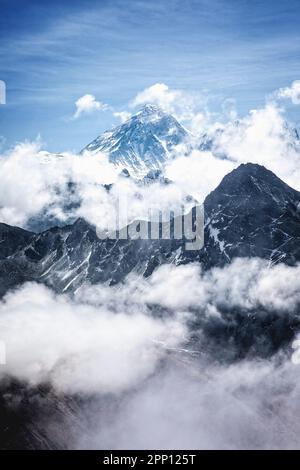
(143, 143)
(251, 213)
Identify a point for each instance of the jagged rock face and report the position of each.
(37, 417)
(251, 213)
(12, 238)
(64, 258)
(143, 143)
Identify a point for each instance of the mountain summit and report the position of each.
(252, 213)
(143, 143)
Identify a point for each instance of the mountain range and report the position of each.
(252, 213)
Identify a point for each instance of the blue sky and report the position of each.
(53, 52)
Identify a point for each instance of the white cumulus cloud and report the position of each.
(87, 104)
(158, 94)
(292, 92)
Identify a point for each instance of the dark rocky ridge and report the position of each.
(251, 213)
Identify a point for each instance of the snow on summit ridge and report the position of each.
(143, 143)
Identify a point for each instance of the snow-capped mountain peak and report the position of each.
(143, 143)
(150, 113)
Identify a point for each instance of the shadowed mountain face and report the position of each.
(12, 238)
(252, 213)
(143, 143)
(35, 417)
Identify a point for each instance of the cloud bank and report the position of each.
(109, 338)
(130, 353)
(80, 347)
